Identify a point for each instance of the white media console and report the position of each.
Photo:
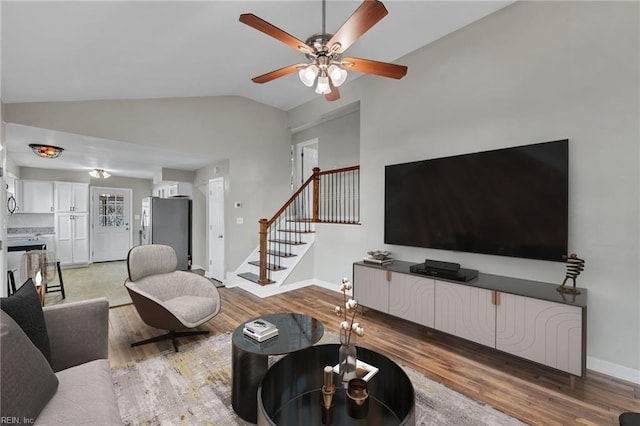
(528, 319)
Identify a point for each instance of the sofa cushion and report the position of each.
(28, 382)
(25, 309)
(85, 397)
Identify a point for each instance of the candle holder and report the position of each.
(357, 398)
(328, 388)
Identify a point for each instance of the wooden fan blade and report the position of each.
(334, 94)
(368, 66)
(264, 78)
(365, 17)
(261, 25)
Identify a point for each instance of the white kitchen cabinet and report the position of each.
(412, 298)
(545, 332)
(72, 238)
(33, 196)
(466, 312)
(71, 197)
(173, 189)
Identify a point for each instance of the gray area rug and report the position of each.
(193, 387)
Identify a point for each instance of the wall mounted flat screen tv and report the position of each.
(506, 202)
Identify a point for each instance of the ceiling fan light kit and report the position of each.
(326, 68)
(99, 174)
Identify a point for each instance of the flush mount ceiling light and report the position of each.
(326, 68)
(99, 174)
(46, 151)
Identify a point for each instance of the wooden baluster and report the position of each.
(316, 194)
(263, 252)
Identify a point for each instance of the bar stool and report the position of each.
(52, 265)
(47, 263)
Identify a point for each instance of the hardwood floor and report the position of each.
(534, 394)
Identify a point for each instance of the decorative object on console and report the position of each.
(349, 329)
(575, 265)
(46, 151)
(99, 174)
(379, 257)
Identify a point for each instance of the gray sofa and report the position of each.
(76, 387)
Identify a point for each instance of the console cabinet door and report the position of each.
(545, 332)
(371, 288)
(466, 312)
(412, 298)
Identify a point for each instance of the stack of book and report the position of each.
(260, 330)
(385, 261)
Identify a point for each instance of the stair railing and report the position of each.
(331, 196)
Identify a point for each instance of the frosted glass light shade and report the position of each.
(337, 74)
(323, 85)
(308, 75)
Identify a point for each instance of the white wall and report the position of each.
(338, 146)
(532, 72)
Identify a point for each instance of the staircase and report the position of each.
(331, 196)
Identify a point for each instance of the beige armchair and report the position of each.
(168, 299)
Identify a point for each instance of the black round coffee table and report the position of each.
(250, 359)
(290, 392)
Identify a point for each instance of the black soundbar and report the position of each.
(438, 264)
(462, 275)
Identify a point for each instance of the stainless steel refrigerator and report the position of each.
(168, 221)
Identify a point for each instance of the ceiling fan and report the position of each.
(326, 67)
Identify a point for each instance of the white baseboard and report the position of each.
(614, 370)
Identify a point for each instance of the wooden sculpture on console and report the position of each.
(575, 265)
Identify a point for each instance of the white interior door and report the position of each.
(216, 229)
(110, 223)
(306, 161)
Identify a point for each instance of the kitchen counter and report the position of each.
(26, 245)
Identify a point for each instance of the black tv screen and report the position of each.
(506, 202)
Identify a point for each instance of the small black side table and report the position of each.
(250, 359)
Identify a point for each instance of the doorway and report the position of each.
(216, 229)
(306, 159)
(111, 233)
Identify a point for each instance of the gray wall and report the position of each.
(532, 72)
(252, 136)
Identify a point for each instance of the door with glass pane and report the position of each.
(110, 223)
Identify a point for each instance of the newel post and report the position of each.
(316, 194)
(263, 251)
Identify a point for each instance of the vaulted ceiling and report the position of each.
(91, 50)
